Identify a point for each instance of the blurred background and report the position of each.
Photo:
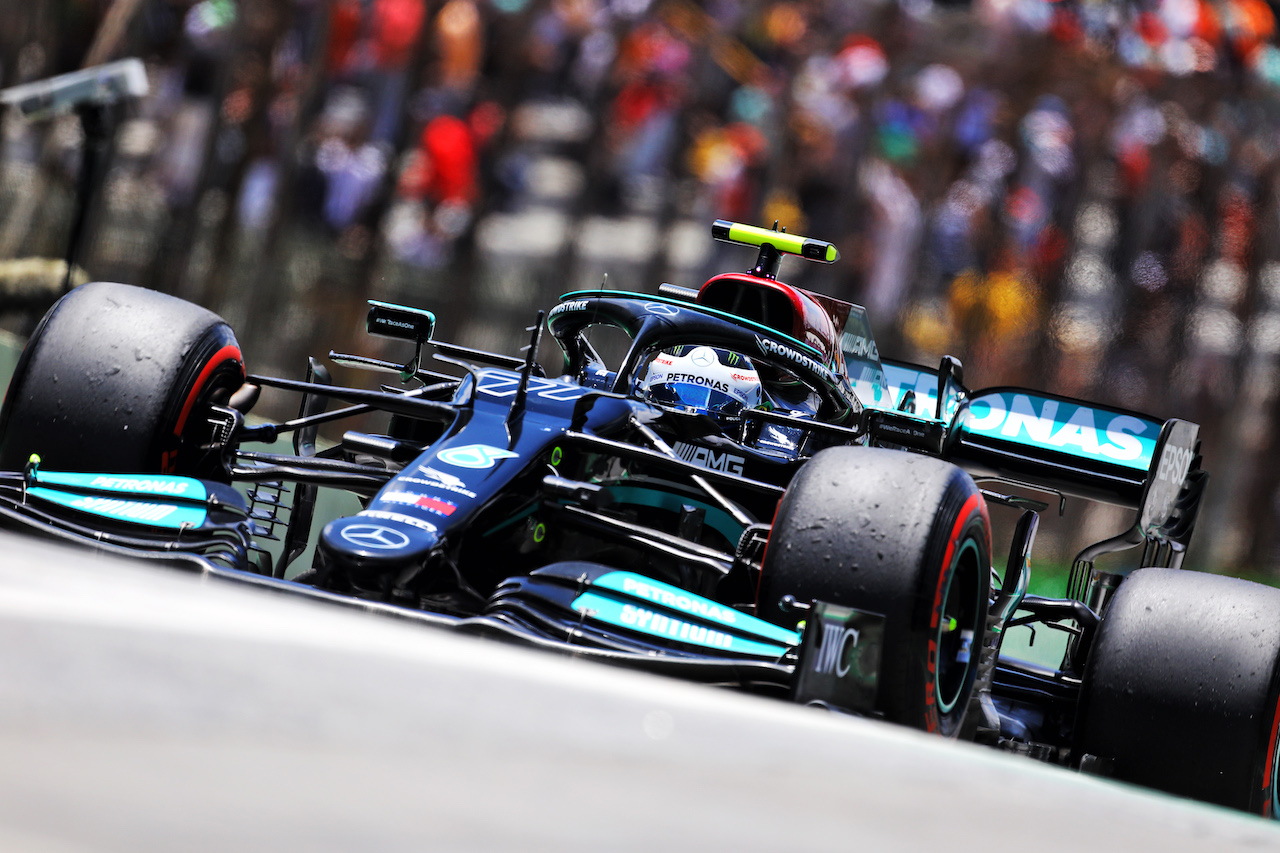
(1082, 196)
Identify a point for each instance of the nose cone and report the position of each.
(375, 542)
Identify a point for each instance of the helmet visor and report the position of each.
(700, 398)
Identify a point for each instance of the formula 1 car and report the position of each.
(750, 496)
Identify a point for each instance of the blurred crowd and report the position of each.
(1078, 195)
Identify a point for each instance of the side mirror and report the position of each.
(399, 321)
(403, 323)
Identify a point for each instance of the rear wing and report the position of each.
(1091, 451)
(1067, 446)
(1070, 446)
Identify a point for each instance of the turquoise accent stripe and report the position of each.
(647, 589)
(162, 486)
(716, 518)
(165, 515)
(1085, 432)
(657, 624)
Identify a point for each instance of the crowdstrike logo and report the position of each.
(439, 480)
(768, 347)
(575, 305)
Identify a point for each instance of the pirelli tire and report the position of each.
(898, 534)
(1181, 690)
(119, 379)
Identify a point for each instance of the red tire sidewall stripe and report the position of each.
(1269, 767)
(974, 504)
(230, 352)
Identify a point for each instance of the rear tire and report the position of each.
(898, 534)
(1181, 688)
(118, 379)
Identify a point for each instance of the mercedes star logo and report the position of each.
(375, 536)
(661, 309)
(703, 356)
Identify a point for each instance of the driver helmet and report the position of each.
(702, 380)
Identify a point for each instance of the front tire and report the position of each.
(118, 379)
(898, 534)
(1182, 687)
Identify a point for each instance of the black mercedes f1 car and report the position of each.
(748, 495)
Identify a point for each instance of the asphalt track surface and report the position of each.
(142, 708)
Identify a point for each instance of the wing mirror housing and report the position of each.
(387, 320)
